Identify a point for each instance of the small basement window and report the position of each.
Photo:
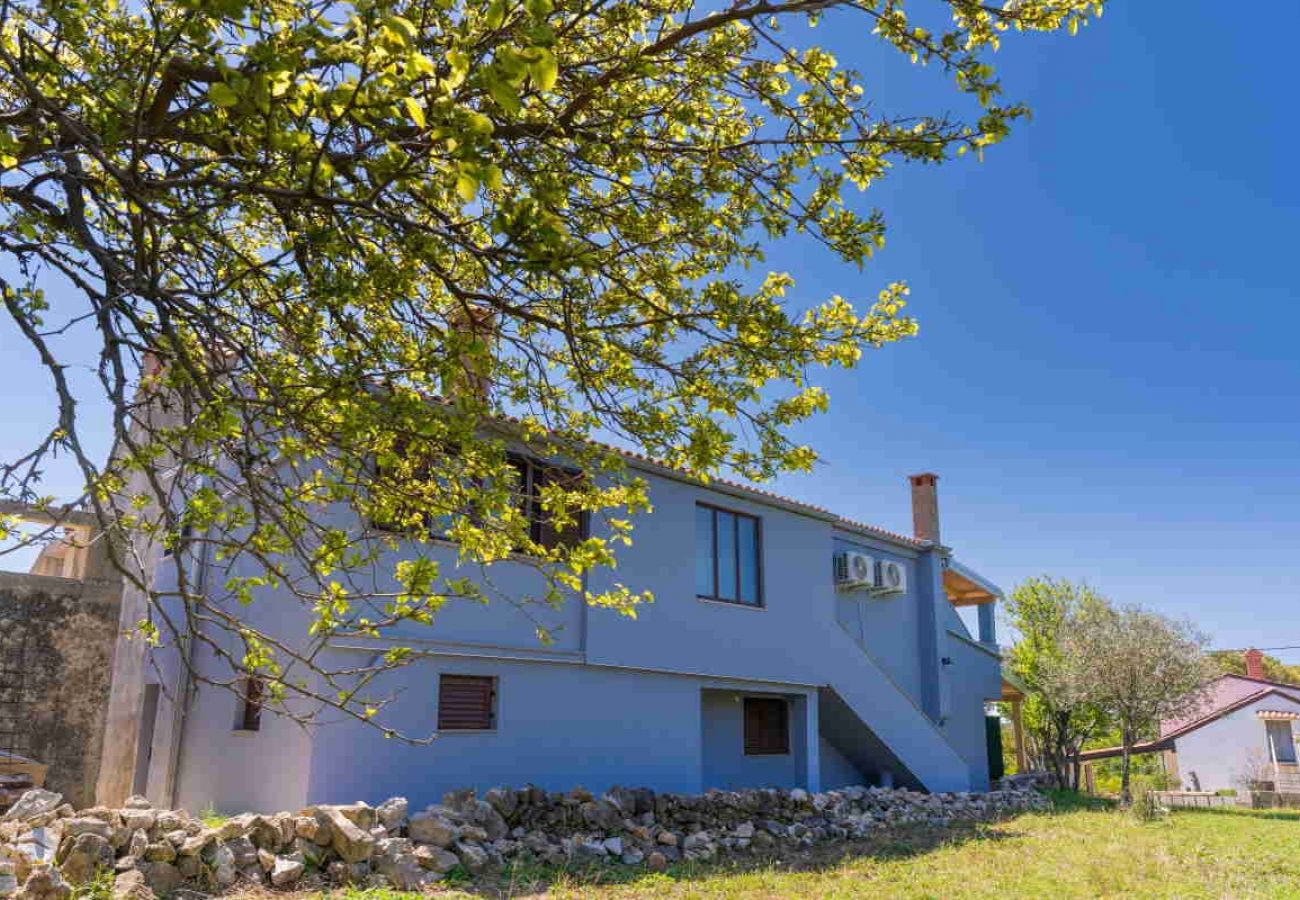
(767, 726)
(467, 703)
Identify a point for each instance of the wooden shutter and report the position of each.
(466, 703)
(767, 726)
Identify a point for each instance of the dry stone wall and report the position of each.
(46, 847)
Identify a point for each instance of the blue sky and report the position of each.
(1106, 377)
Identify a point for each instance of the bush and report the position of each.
(1145, 807)
(1108, 777)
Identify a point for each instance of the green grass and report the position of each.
(1085, 849)
(211, 818)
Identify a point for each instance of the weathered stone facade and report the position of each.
(58, 635)
(46, 847)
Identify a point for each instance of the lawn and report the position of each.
(1079, 852)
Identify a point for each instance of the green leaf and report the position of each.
(459, 63)
(414, 110)
(401, 28)
(466, 186)
(223, 94)
(503, 93)
(545, 70)
(479, 123)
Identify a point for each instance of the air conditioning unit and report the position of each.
(854, 570)
(891, 577)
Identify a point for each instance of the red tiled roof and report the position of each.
(1167, 737)
(1224, 691)
(761, 493)
(883, 532)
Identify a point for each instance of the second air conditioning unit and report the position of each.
(891, 577)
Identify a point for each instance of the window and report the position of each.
(727, 556)
(410, 515)
(250, 706)
(767, 726)
(533, 476)
(1281, 741)
(466, 703)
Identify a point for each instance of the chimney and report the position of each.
(925, 506)
(472, 339)
(1254, 664)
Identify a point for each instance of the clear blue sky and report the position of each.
(1106, 377)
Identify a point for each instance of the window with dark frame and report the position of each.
(532, 476)
(467, 703)
(767, 726)
(728, 556)
(253, 692)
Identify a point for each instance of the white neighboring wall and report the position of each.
(1224, 753)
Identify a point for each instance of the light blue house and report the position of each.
(787, 646)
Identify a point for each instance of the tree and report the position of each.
(1233, 662)
(1058, 714)
(360, 252)
(1141, 668)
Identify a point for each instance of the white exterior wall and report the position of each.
(613, 700)
(1223, 753)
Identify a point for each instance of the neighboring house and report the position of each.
(753, 667)
(58, 627)
(1241, 737)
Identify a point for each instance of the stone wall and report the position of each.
(46, 847)
(58, 636)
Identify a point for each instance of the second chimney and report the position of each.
(1254, 664)
(925, 506)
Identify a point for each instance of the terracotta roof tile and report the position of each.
(763, 493)
(744, 487)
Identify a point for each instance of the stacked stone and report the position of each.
(46, 847)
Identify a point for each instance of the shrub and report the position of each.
(1145, 806)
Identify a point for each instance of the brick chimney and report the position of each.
(1254, 664)
(925, 506)
(472, 338)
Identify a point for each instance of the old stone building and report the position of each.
(58, 626)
